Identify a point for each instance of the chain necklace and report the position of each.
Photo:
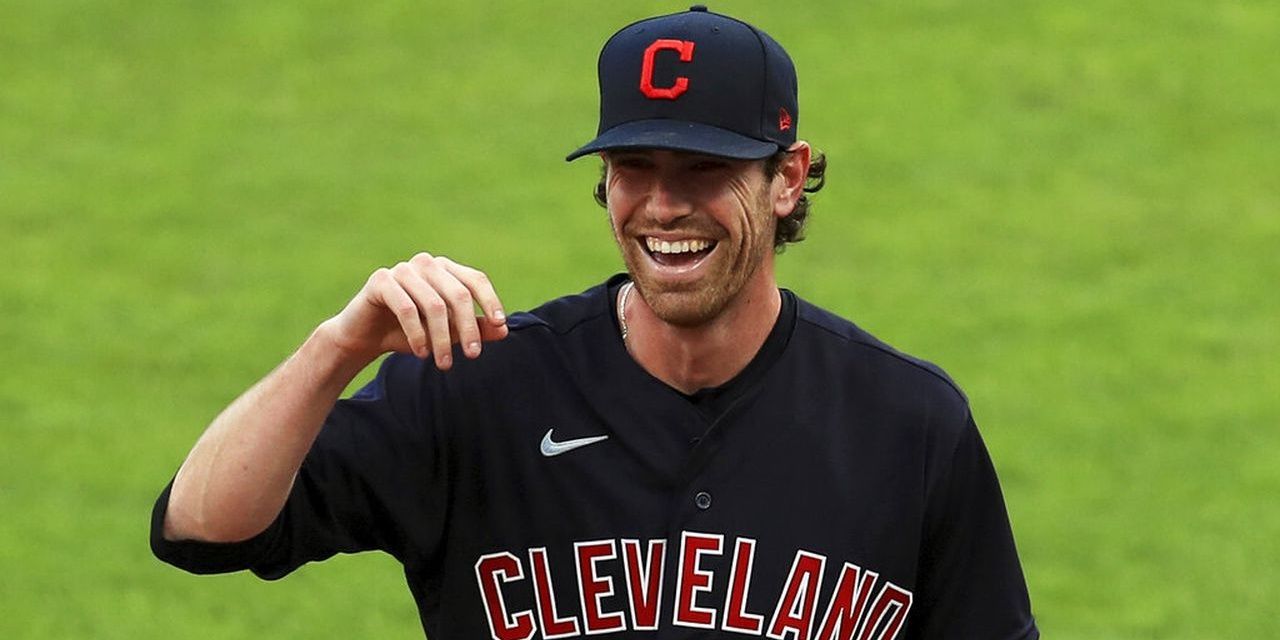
(623, 294)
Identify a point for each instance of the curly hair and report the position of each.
(791, 228)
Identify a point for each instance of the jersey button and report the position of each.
(702, 500)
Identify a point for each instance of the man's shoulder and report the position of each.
(549, 338)
(564, 314)
(845, 344)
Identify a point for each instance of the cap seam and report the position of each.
(764, 87)
(764, 92)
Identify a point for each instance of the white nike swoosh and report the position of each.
(552, 448)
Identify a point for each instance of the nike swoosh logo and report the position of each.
(551, 448)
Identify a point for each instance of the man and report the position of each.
(682, 451)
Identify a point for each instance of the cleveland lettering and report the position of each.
(860, 607)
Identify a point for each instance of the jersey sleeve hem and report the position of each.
(204, 558)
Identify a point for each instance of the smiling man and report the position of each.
(685, 450)
(697, 233)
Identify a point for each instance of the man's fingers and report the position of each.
(461, 306)
(432, 308)
(394, 297)
(433, 300)
(491, 332)
(481, 290)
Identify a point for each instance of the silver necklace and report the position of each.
(623, 293)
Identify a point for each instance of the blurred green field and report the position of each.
(1073, 207)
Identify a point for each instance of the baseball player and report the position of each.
(682, 451)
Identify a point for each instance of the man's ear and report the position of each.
(788, 185)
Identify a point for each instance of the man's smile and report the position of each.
(679, 252)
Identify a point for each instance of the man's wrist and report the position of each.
(329, 359)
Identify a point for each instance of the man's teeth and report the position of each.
(679, 246)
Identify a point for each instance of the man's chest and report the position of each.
(570, 518)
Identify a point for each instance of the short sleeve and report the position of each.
(971, 583)
(371, 481)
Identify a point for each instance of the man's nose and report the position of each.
(667, 201)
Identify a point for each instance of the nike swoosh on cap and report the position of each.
(551, 448)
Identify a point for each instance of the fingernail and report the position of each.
(499, 315)
(446, 361)
(473, 348)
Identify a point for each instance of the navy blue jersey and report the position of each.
(552, 488)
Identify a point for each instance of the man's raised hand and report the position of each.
(421, 306)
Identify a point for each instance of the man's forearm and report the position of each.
(238, 475)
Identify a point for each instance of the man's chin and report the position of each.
(683, 308)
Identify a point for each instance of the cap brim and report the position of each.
(677, 135)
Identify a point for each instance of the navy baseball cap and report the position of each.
(695, 81)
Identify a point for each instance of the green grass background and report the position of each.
(1071, 206)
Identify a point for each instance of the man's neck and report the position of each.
(692, 358)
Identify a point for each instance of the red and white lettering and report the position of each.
(848, 603)
(592, 587)
(553, 626)
(644, 582)
(855, 610)
(502, 625)
(736, 617)
(685, 48)
(691, 580)
(892, 597)
(796, 606)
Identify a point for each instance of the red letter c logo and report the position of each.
(646, 72)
